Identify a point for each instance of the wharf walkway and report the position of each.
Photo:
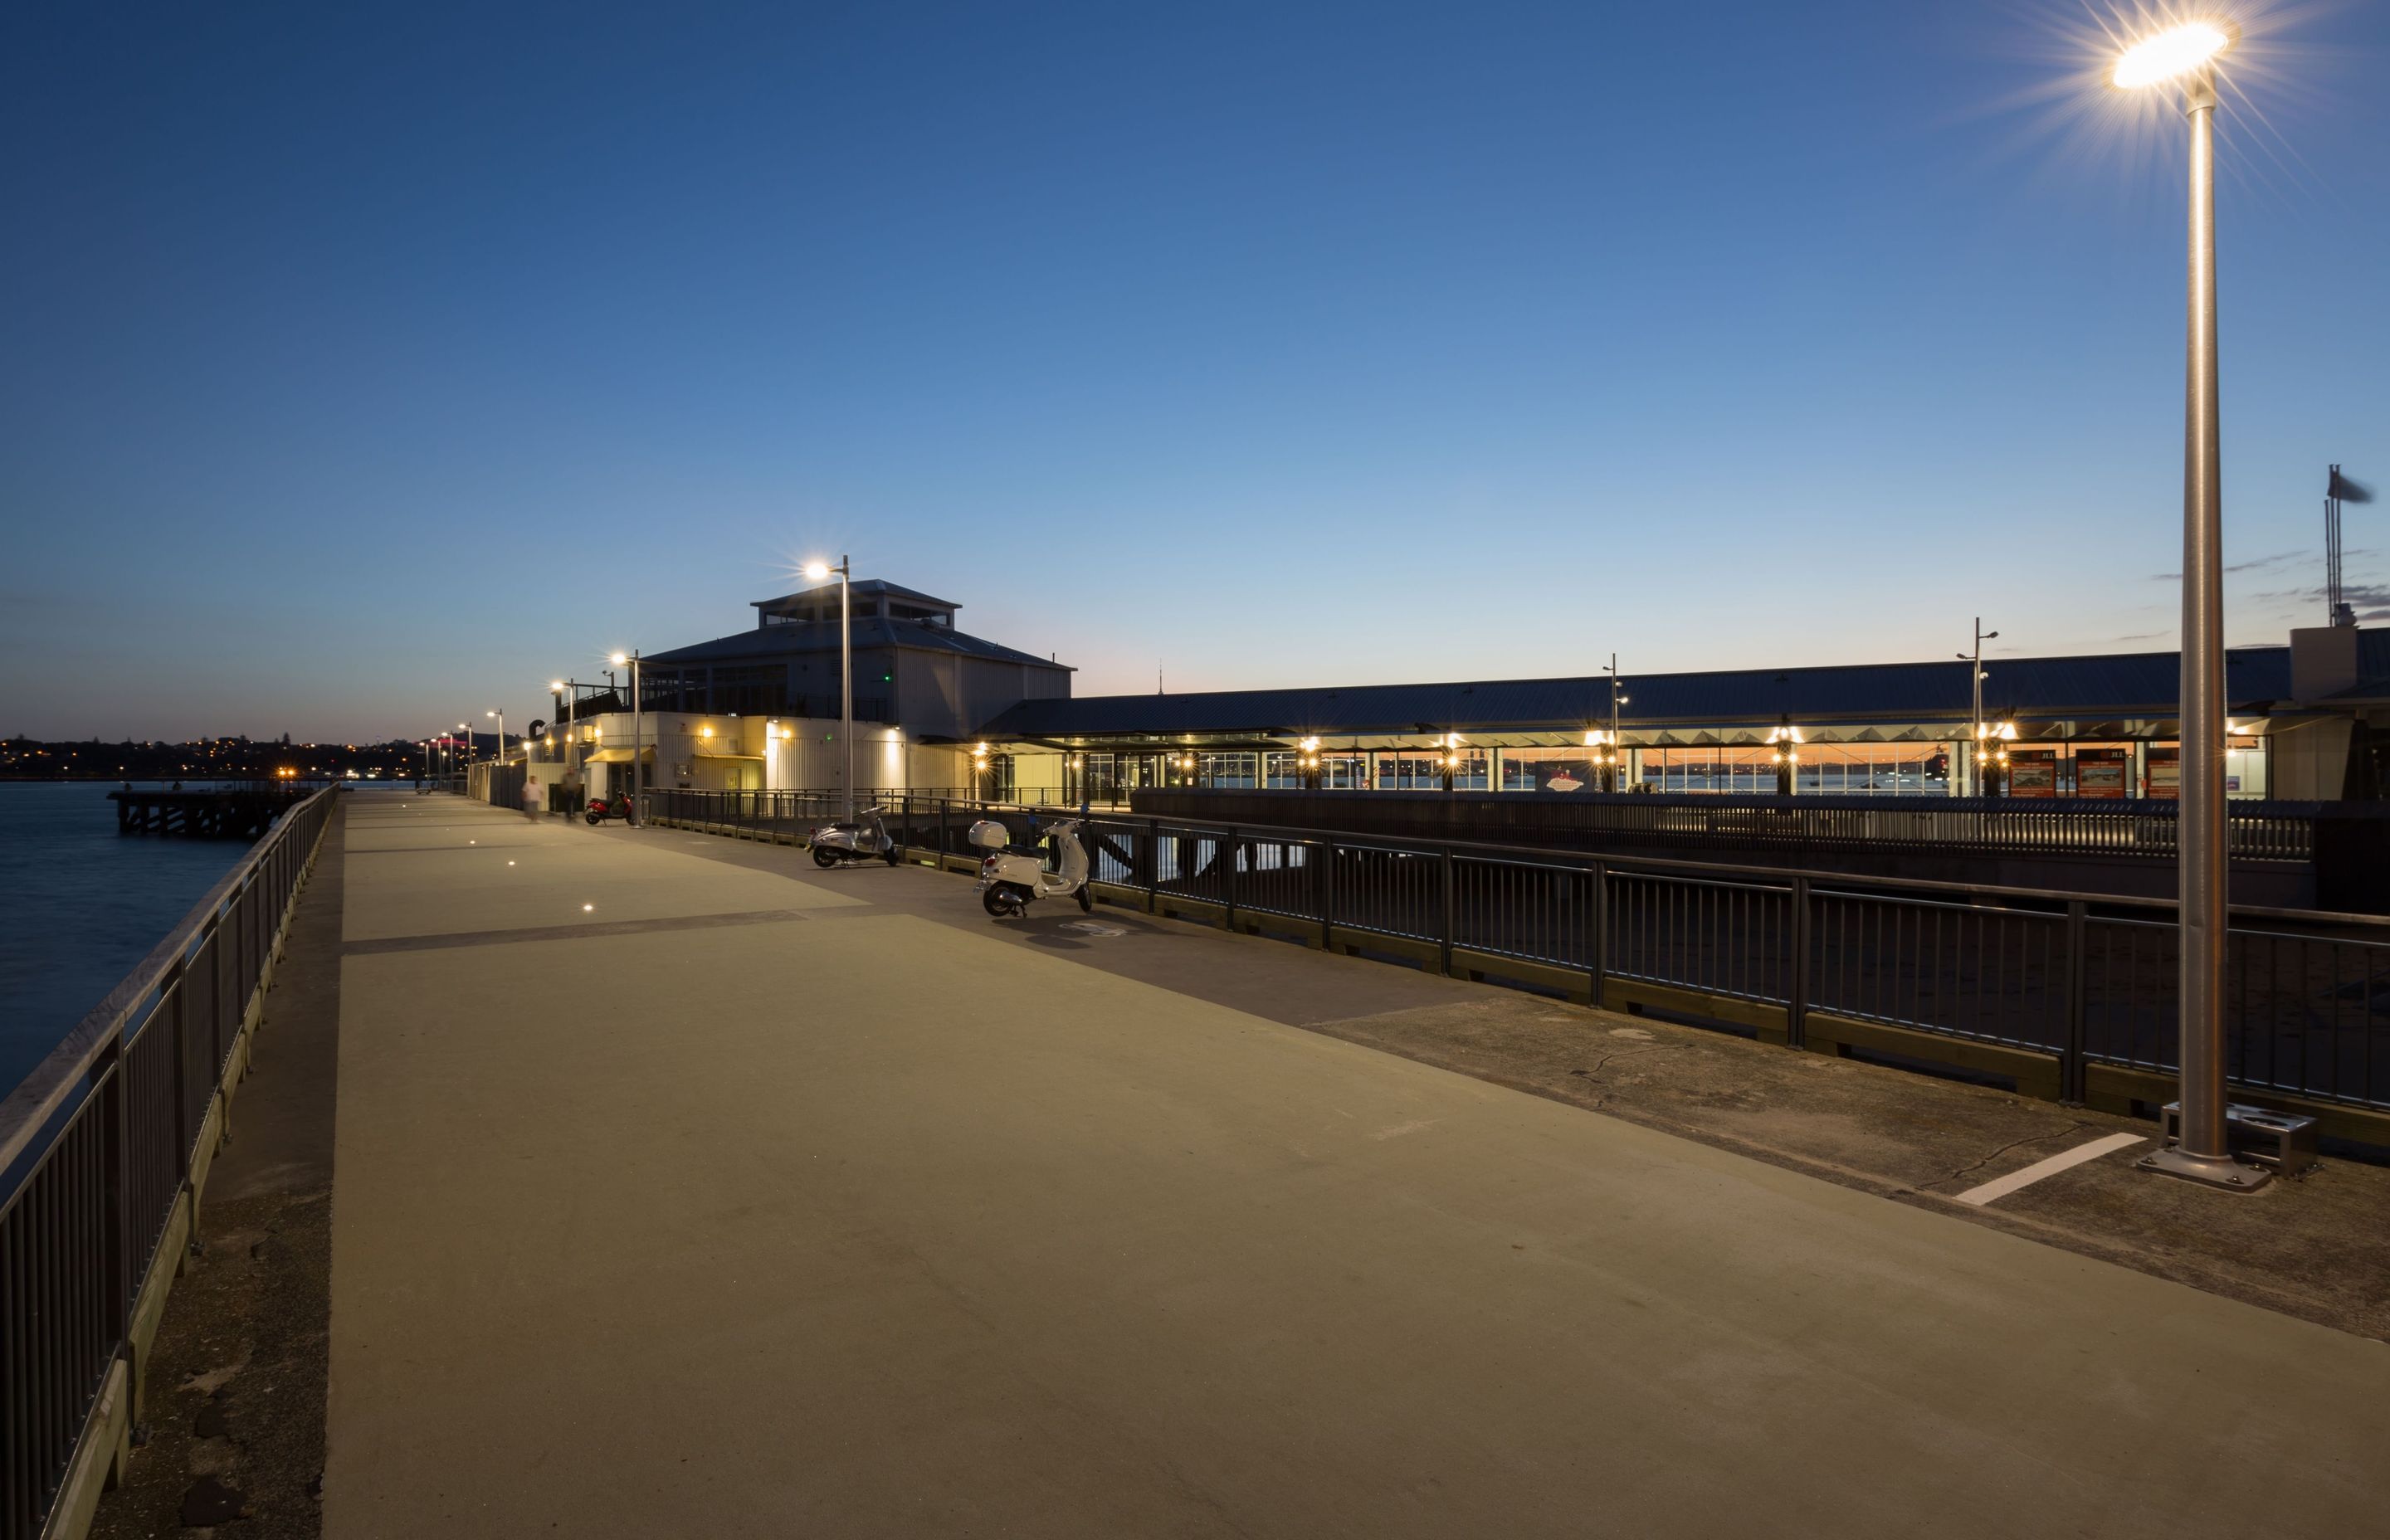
(676, 1195)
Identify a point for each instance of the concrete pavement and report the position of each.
(676, 1198)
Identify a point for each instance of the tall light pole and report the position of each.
(563, 689)
(638, 729)
(2187, 54)
(1975, 662)
(498, 759)
(1617, 765)
(819, 571)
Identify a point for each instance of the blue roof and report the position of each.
(2096, 687)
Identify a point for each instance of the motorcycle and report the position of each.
(602, 808)
(867, 839)
(1010, 876)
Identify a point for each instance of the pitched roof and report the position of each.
(2098, 686)
(863, 588)
(766, 642)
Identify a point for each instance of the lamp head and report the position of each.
(816, 570)
(555, 687)
(2169, 54)
(618, 658)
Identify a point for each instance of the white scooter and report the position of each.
(1010, 875)
(864, 839)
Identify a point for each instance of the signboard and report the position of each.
(2105, 773)
(2032, 771)
(2166, 774)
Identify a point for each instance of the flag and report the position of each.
(2347, 490)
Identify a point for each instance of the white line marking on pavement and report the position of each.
(2001, 1187)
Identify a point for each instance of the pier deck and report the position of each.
(675, 1194)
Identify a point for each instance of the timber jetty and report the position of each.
(243, 811)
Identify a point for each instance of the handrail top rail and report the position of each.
(2163, 807)
(48, 1085)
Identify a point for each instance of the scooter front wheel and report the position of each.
(824, 859)
(1086, 904)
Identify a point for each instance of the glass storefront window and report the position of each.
(1228, 771)
(1560, 770)
(2244, 767)
(1410, 772)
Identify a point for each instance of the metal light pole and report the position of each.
(2203, 1152)
(563, 688)
(638, 730)
(1975, 662)
(819, 570)
(1617, 767)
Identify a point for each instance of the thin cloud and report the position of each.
(2257, 564)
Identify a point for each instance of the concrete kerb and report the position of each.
(107, 1438)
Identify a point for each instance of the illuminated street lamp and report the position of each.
(638, 728)
(2186, 55)
(1992, 741)
(1450, 757)
(1785, 738)
(1613, 781)
(819, 571)
(1975, 678)
(1307, 759)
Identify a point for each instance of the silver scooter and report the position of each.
(1010, 875)
(867, 839)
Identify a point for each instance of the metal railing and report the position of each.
(2084, 978)
(97, 1149)
(2006, 825)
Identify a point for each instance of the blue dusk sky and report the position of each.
(362, 366)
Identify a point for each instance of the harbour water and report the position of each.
(80, 905)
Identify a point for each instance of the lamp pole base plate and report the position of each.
(2214, 1171)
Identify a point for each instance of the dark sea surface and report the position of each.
(80, 905)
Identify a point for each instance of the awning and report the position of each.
(620, 756)
(716, 753)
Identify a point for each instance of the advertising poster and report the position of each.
(2166, 774)
(2103, 773)
(2032, 771)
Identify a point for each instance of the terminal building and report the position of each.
(939, 711)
